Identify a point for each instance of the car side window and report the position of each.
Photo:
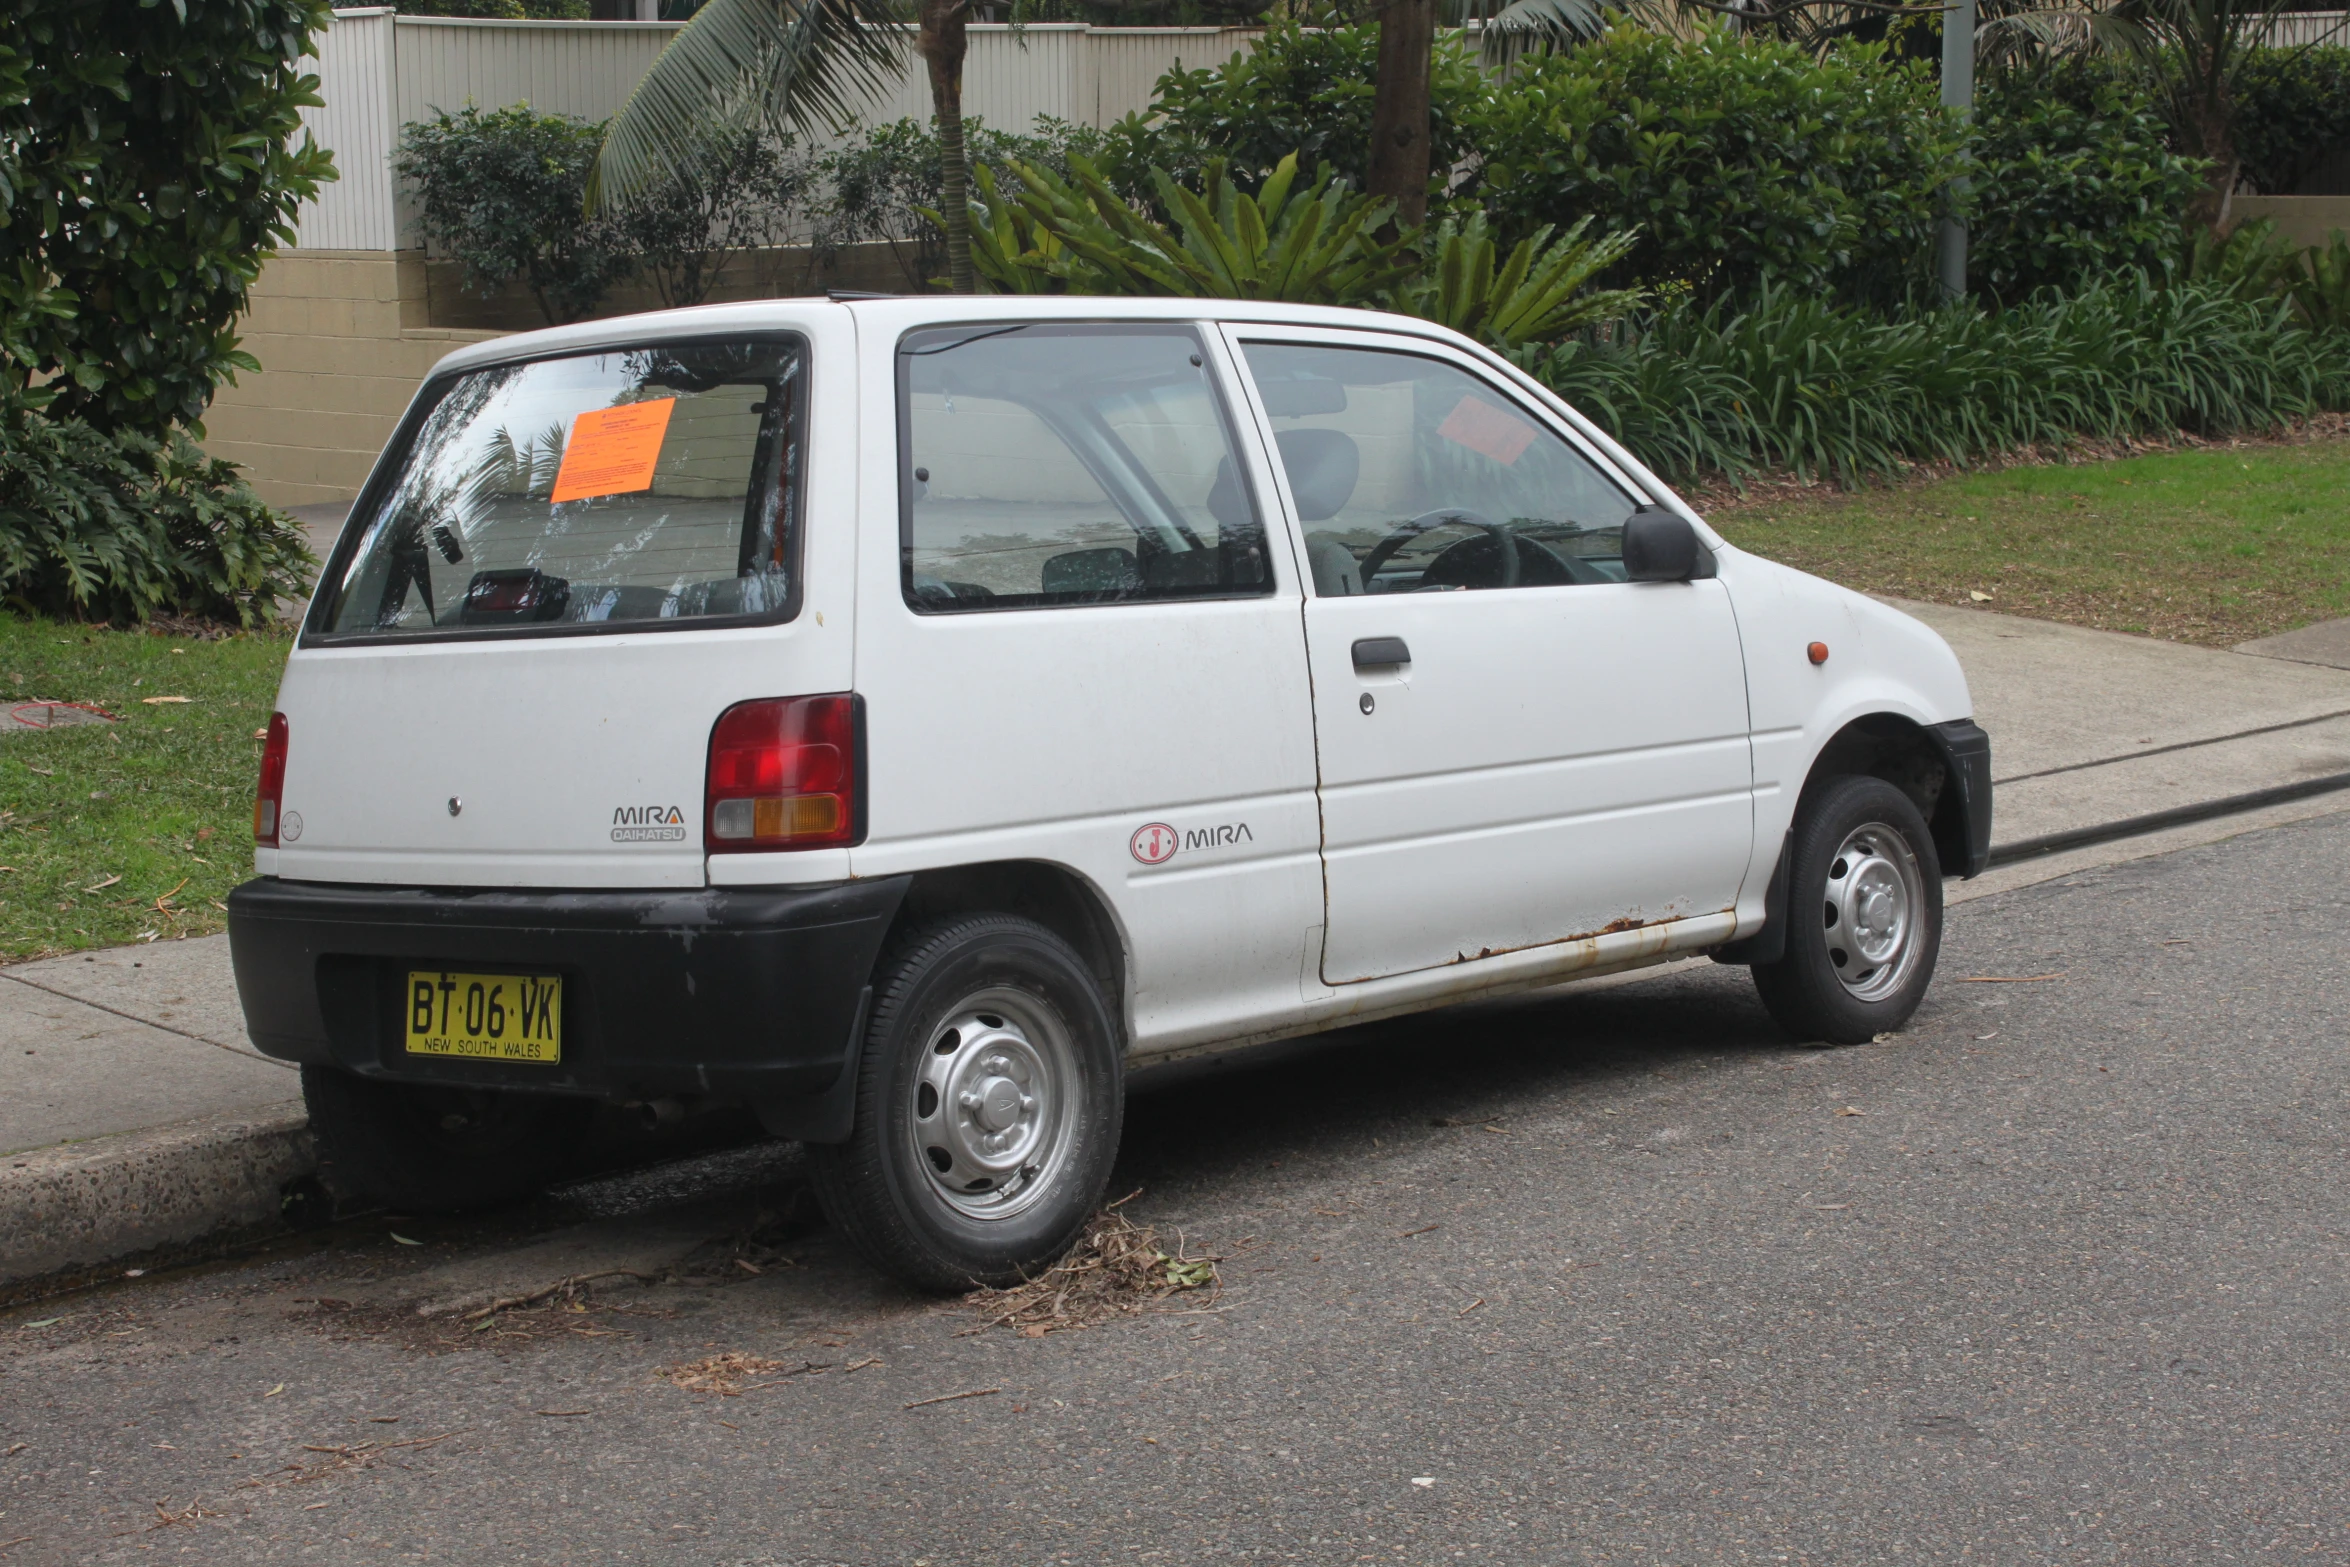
(1413, 476)
(1066, 464)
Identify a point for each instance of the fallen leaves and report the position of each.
(165, 701)
(734, 1373)
(1117, 1268)
(1849, 1110)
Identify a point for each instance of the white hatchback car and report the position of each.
(903, 716)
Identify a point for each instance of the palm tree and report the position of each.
(801, 65)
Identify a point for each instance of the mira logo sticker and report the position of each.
(648, 824)
(1154, 844)
(1157, 843)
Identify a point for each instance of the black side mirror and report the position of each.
(1659, 546)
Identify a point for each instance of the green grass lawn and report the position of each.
(114, 832)
(2213, 546)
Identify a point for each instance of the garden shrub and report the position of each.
(151, 157)
(1299, 91)
(736, 190)
(122, 525)
(2292, 112)
(502, 192)
(878, 187)
(1742, 161)
(1785, 381)
(2070, 185)
(500, 10)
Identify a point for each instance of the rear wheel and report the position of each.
(989, 1100)
(1864, 913)
(427, 1149)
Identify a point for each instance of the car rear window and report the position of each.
(630, 488)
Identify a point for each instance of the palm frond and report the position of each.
(803, 65)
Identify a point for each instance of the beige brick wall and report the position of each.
(2301, 220)
(343, 343)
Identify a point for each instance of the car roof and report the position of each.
(892, 316)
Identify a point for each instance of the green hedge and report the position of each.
(1743, 161)
(1793, 382)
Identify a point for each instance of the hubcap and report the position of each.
(990, 1117)
(1875, 900)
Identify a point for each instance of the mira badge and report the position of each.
(648, 824)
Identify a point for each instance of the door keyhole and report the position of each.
(1368, 704)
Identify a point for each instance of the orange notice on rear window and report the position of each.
(612, 450)
(1481, 427)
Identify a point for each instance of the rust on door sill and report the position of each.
(1613, 927)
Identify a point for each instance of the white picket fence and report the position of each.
(379, 71)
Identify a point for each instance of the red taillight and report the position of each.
(273, 783)
(783, 775)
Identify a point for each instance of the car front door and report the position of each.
(1516, 745)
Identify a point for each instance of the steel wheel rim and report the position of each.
(1875, 903)
(991, 1112)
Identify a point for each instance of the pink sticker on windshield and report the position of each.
(1481, 427)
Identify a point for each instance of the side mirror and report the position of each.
(1660, 546)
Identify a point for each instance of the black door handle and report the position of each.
(1379, 652)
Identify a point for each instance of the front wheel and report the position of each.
(1864, 916)
(990, 1094)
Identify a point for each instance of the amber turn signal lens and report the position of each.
(1817, 652)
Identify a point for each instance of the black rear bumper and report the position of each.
(748, 994)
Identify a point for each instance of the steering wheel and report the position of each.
(1404, 532)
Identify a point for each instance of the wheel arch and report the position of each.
(1053, 895)
(1918, 760)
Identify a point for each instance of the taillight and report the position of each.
(273, 783)
(783, 775)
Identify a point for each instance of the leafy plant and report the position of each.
(151, 157)
(2073, 181)
(1741, 161)
(501, 193)
(1540, 293)
(2322, 293)
(1310, 244)
(123, 525)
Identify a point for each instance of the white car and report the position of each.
(906, 716)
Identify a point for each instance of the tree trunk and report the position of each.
(942, 43)
(1399, 110)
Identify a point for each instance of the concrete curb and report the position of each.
(86, 1203)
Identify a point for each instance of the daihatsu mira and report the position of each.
(904, 717)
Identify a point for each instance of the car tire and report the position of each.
(424, 1148)
(1864, 916)
(989, 1098)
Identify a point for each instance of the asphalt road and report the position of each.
(2056, 1276)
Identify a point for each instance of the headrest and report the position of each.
(1322, 466)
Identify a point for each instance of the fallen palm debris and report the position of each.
(1117, 1268)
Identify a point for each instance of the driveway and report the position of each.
(2056, 1276)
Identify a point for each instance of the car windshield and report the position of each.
(655, 484)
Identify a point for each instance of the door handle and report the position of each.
(1381, 652)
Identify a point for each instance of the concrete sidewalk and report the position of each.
(133, 1114)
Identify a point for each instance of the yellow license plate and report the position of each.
(485, 1017)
